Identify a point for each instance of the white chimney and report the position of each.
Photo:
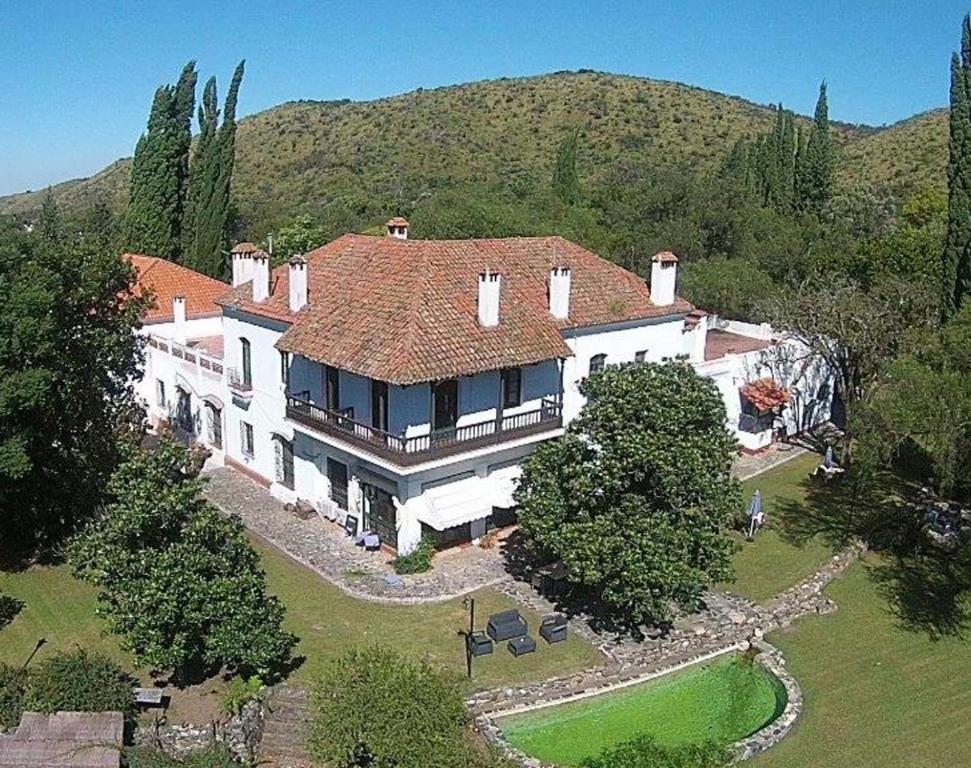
(178, 319)
(298, 283)
(261, 276)
(664, 273)
(398, 227)
(490, 284)
(560, 292)
(237, 268)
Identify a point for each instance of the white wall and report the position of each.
(266, 408)
(659, 338)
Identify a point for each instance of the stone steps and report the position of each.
(286, 728)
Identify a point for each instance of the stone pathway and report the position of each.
(751, 464)
(286, 728)
(325, 548)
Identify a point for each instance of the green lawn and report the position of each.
(722, 701)
(328, 621)
(876, 695)
(61, 609)
(770, 564)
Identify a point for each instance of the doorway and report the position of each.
(445, 404)
(380, 515)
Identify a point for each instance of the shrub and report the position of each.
(12, 684)
(241, 692)
(645, 752)
(213, 756)
(375, 707)
(9, 607)
(418, 560)
(79, 681)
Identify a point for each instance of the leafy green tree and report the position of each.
(373, 707)
(956, 266)
(178, 581)
(922, 400)
(636, 498)
(646, 752)
(209, 213)
(301, 235)
(733, 288)
(160, 170)
(566, 181)
(79, 681)
(67, 355)
(817, 171)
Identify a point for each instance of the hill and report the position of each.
(300, 156)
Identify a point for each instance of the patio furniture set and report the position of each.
(513, 629)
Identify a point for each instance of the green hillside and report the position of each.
(300, 156)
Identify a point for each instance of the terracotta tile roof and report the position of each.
(665, 256)
(405, 311)
(721, 343)
(765, 394)
(165, 280)
(397, 221)
(246, 247)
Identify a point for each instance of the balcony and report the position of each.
(407, 451)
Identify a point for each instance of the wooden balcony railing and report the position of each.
(437, 444)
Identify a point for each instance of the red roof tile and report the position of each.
(721, 343)
(405, 311)
(397, 221)
(246, 247)
(165, 280)
(665, 256)
(765, 394)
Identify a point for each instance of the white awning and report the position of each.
(456, 503)
(504, 483)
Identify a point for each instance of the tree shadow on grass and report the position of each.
(9, 608)
(925, 585)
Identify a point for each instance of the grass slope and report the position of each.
(722, 701)
(62, 609)
(875, 695)
(771, 564)
(300, 156)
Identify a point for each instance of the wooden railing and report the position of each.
(418, 448)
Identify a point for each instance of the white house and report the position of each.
(183, 380)
(401, 382)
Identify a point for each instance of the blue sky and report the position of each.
(76, 78)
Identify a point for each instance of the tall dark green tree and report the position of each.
(160, 169)
(956, 266)
(817, 177)
(208, 213)
(566, 181)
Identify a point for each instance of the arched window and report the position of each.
(247, 362)
(597, 363)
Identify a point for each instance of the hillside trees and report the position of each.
(956, 263)
(178, 581)
(635, 499)
(815, 181)
(67, 353)
(566, 181)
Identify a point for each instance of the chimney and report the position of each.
(238, 268)
(559, 291)
(298, 283)
(178, 319)
(261, 276)
(398, 227)
(664, 272)
(490, 284)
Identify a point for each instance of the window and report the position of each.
(214, 418)
(337, 474)
(332, 388)
(512, 387)
(285, 369)
(183, 410)
(379, 405)
(247, 362)
(640, 357)
(597, 363)
(283, 459)
(445, 404)
(246, 438)
(160, 394)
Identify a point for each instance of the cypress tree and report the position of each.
(817, 186)
(956, 262)
(566, 182)
(211, 177)
(160, 171)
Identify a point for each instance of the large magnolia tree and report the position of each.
(637, 495)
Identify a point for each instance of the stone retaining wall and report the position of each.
(771, 658)
(241, 733)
